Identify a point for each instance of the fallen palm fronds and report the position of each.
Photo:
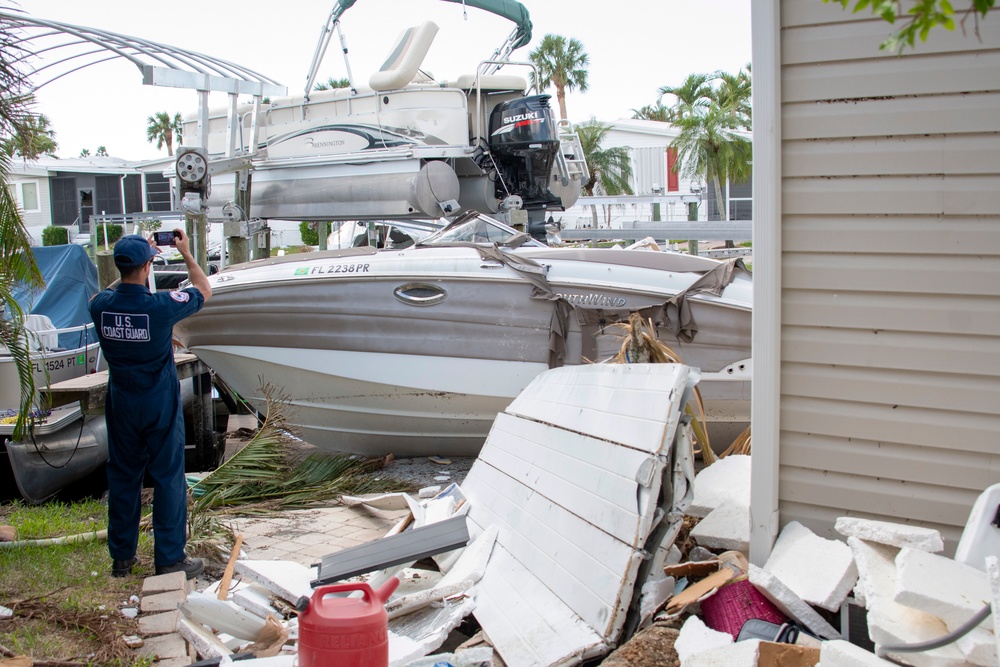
(741, 445)
(263, 476)
(640, 345)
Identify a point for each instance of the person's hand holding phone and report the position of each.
(181, 242)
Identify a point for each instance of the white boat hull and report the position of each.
(374, 403)
(415, 351)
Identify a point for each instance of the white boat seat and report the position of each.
(37, 328)
(406, 57)
(491, 82)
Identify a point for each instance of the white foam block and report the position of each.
(876, 565)
(285, 578)
(892, 623)
(993, 574)
(979, 647)
(818, 570)
(740, 654)
(950, 590)
(845, 654)
(695, 637)
(892, 534)
(790, 604)
(726, 528)
(726, 479)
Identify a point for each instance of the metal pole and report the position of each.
(323, 230)
(693, 217)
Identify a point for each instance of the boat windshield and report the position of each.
(479, 229)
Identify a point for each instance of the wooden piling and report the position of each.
(107, 272)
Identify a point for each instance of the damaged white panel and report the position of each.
(526, 623)
(417, 634)
(285, 578)
(571, 476)
(636, 409)
(600, 480)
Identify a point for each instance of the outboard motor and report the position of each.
(524, 142)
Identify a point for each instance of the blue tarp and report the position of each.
(70, 282)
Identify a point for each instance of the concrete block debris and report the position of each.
(727, 527)
(791, 604)
(876, 565)
(890, 623)
(696, 637)
(891, 534)
(740, 654)
(726, 479)
(950, 590)
(842, 653)
(820, 571)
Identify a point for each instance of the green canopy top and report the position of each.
(512, 10)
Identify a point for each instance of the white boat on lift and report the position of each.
(405, 145)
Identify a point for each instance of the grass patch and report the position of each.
(66, 603)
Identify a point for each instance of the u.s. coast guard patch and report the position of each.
(180, 297)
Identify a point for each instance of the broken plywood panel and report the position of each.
(571, 476)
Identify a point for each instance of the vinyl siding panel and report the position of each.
(895, 156)
(893, 350)
(902, 117)
(890, 349)
(896, 235)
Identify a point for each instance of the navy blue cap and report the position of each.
(132, 251)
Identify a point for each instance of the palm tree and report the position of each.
(692, 96)
(32, 137)
(162, 129)
(101, 152)
(84, 152)
(17, 264)
(333, 84)
(610, 168)
(561, 63)
(714, 122)
(733, 94)
(653, 112)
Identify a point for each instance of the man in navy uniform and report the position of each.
(143, 405)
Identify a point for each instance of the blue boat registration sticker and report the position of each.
(125, 327)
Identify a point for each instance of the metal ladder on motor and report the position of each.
(570, 160)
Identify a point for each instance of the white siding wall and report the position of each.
(890, 265)
(40, 218)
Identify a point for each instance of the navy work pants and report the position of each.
(146, 433)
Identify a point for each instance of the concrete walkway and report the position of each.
(305, 536)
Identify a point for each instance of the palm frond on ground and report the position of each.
(265, 476)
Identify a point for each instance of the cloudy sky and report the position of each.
(635, 46)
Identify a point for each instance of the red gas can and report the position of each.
(346, 632)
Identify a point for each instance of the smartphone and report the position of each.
(165, 238)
